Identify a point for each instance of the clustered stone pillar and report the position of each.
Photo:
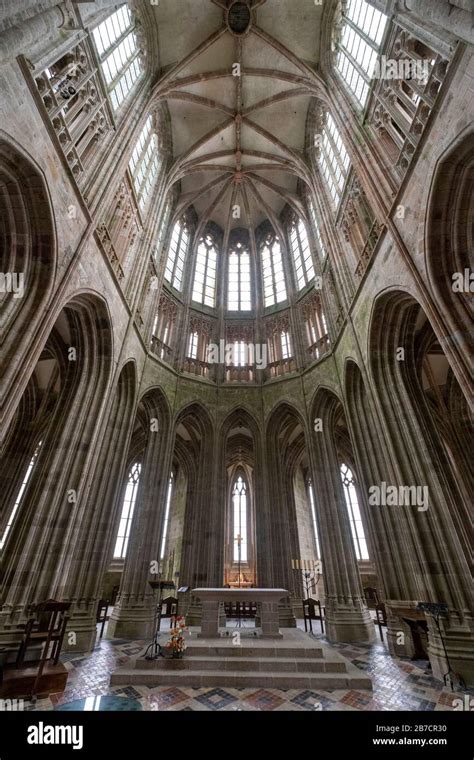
(39, 550)
(133, 617)
(441, 573)
(392, 543)
(347, 616)
(97, 530)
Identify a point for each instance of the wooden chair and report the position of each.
(102, 617)
(309, 613)
(46, 628)
(380, 618)
(371, 597)
(247, 609)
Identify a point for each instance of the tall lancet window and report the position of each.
(352, 503)
(239, 515)
(312, 505)
(19, 497)
(239, 292)
(128, 506)
(177, 255)
(317, 231)
(302, 258)
(286, 350)
(162, 231)
(119, 54)
(145, 163)
(167, 516)
(334, 160)
(204, 288)
(274, 286)
(362, 32)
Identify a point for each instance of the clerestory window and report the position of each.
(116, 43)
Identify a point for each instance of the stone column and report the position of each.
(451, 16)
(203, 534)
(38, 550)
(439, 569)
(392, 544)
(347, 616)
(93, 542)
(40, 29)
(133, 617)
(277, 529)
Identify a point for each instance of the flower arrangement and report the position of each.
(177, 643)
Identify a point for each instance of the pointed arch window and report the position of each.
(302, 258)
(167, 516)
(334, 160)
(316, 326)
(144, 163)
(239, 518)
(128, 506)
(312, 505)
(363, 28)
(317, 231)
(116, 43)
(20, 493)
(239, 291)
(177, 252)
(240, 355)
(193, 345)
(286, 350)
(352, 503)
(204, 288)
(163, 230)
(274, 286)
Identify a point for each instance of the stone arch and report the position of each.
(289, 407)
(240, 450)
(36, 557)
(28, 236)
(154, 402)
(285, 429)
(449, 242)
(196, 411)
(202, 553)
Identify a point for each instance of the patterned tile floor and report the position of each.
(397, 685)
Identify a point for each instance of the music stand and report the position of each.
(154, 646)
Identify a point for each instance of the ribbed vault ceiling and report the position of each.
(238, 140)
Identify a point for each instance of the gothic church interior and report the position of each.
(236, 294)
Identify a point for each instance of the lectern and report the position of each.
(153, 649)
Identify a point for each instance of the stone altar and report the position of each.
(268, 599)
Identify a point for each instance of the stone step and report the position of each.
(235, 679)
(248, 664)
(229, 650)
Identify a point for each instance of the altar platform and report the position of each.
(295, 660)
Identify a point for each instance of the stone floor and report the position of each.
(397, 685)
